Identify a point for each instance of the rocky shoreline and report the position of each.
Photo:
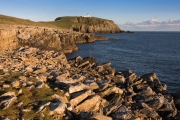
(39, 84)
(14, 36)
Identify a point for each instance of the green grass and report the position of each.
(28, 96)
(63, 23)
(2, 72)
(18, 21)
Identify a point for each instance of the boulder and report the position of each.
(15, 84)
(111, 90)
(7, 99)
(100, 117)
(123, 113)
(57, 107)
(79, 96)
(42, 69)
(76, 87)
(89, 104)
(42, 106)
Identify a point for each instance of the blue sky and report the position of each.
(128, 14)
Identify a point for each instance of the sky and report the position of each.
(133, 15)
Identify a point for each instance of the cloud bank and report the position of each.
(153, 25)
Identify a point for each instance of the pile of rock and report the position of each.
(90, 90)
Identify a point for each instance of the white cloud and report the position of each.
(153, 24)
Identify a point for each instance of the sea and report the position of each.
(141, 52)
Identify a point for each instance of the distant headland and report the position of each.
(85, 24)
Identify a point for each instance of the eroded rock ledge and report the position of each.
(37, 84)
(43, 38)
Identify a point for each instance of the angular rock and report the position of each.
(42, 106)
(111, 90)
(92, 85)
(40, 84)
(79, 59)
(79, 96)
(63, 99)
(7, 99)
(88, 104)
(111, 108)
(155, 101)
(123, 113)
(5, 86)
(100, 117)
(119, 79)
(57, 107)
(15, 84)
(40, 70)
(76, 87)
(149, 112)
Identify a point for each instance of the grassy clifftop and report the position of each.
(76, 23)
(18, 21)
(86, 24)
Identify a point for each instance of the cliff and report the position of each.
(13, 36)
(90, 24)
(80, 24)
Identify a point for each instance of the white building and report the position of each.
(86, 15)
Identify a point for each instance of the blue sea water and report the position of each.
(141, 52)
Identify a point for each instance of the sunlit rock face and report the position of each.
(43, 38)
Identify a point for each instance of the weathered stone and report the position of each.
(100, 117)
(119, 79)
(64, 81)
(80, 79)
(123, 113)
(20, 91)
(148, 111)
(20, 104)
(149, 77)
(103, 84)
(105, 65)
(89, 104)
(42, 106)
(111, 108)
(83, 64)
(15, 84)
(76, 87)
(111, 90)
(7, 99)
(79, 96)
(79, 59)
(6, 86)
(42, 78)
(132, 77)
(57, 107)
(22, 78)
(63, 99)
(92, 85)
(155, 101)
(40, 70)
(29, 69)
(39, 84)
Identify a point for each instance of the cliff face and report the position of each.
(91, 25)
(43, 38)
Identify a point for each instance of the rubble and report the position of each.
(79, 88)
